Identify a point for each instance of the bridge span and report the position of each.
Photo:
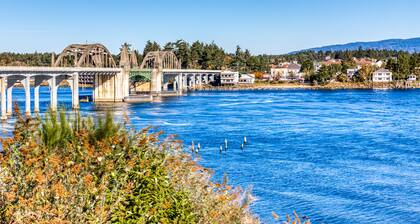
(93, 64)
(105, 84)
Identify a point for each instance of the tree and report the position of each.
(196, 55)
(323, 76)
(182, 51)
(403, 66)
(150, 46)
(307, 67)
(364, 74)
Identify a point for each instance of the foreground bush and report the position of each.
(60, 171)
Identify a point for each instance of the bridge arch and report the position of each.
(160, 60)
(85, 55)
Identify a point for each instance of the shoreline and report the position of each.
(329, 86)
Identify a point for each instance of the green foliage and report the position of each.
(26, 59)
(325, 74)
(150, 46)
(307, 67)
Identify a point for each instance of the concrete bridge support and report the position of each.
(180, 83)
(200, 80)
(53, 93)
(74, 86)
(11, 80)
(185, 82)
(37, 83)
(156, 82)
(111, 87)
(27, 86)
(3, 87)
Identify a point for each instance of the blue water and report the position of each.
(342, 156)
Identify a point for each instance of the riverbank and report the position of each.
(332, 85)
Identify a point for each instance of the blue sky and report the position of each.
(263, 26)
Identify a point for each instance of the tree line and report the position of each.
(201, 55)
(197, 55)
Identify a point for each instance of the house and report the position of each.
(267, 77)
(360, 62)
(382, 75)
(229, 78)
(352, 72)
(412, 78)
(286, 71)
(331, 62)
(246, 79)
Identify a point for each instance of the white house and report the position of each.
(229, 78)
(352, 72)
(286, 71)
(382, 75)
(412, 78)
(246, 79)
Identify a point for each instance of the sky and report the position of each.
(262, 26)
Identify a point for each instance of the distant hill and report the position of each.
(411, 45)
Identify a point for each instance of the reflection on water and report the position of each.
(346, 156)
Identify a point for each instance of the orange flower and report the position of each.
(88, 179)
(59, 190)
(10, 196)
(55, 161)
(39, 176)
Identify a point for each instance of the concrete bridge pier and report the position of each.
(37, 83)
(74, 86)
(156, 82)
(52, 82)
(10, 83)
(193, 80)
(111, 87)
(165, 87)
(27, 86)
(185, 82)
(180, 83)
(3, 87)
(206, 79)
(200, 81)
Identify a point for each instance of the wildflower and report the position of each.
(59, 189)
(39, 176)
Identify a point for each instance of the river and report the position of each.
(337, 156)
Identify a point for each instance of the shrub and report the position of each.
(60, 171)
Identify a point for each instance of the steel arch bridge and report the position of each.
(154, 60)
(160, 60)
(85, 55)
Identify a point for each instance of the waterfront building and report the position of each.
(286, 71)
(267, 77)
(246, 79)
(330, 62)
(412, 78)
(382, 75)
(229, 78)
(360, 62)
(352, 72)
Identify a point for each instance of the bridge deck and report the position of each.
(197, 71)
(29, 70)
